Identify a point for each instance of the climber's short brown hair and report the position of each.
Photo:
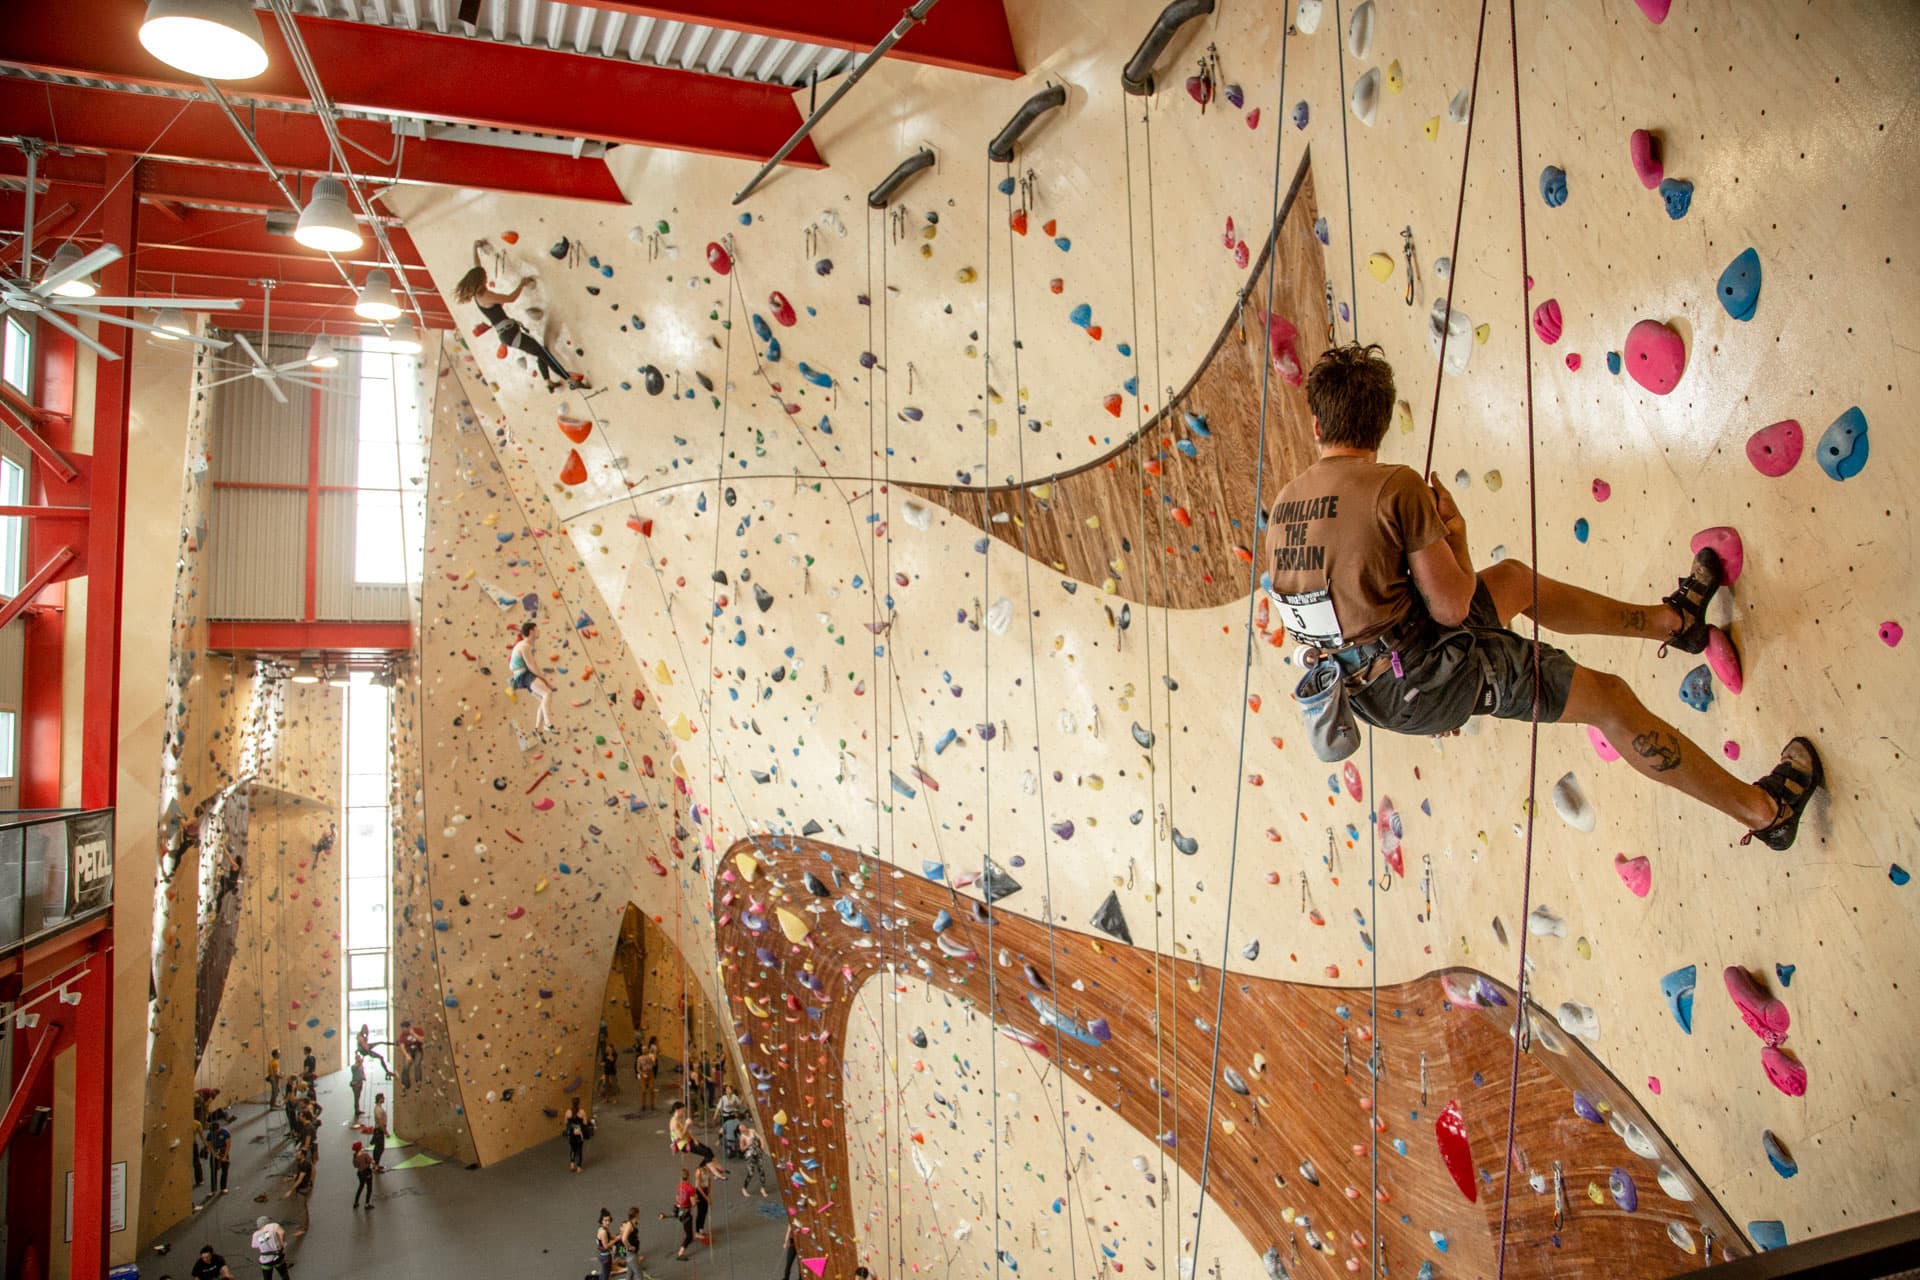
(1351, 392)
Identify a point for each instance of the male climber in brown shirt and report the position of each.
(1368, 565)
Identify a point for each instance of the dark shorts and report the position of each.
(523, 681)
(1478, 668)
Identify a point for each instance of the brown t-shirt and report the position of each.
(1344, 527)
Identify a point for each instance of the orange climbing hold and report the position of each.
(1112, 404)
(1180, 515)
(1018, 222)
(575, 471)
(642, 527)
(576, 429)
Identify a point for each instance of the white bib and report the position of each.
(1309, 617)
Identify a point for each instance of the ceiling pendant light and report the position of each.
(404, 338)
(307, 672)
(78, 287)
(376, 298)
(321, 354)
(326, 223)
(218, 39)
(170, 324)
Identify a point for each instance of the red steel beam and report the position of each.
(420, 75)
(161, 263)
(963, 35)
(104, 120)
(32, 586)
(37, 1061)
(299, 637)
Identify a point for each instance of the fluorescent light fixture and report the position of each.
(218, 39)
(404, 338)
(326, 223)
(376, 298)
(321, 354)
(78, 287)
(170, 324)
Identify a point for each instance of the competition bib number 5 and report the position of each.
(1309, 617)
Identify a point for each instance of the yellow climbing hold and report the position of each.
(1395, 81)
(661, 673)
(757, 1010)
(1595, 1194)
(1380, 266)
(1584, 947)
(780, 1117)
(1481, 332)
(1094, 782)
(1403, 414)
(1042, 491)
(1093, 522)
(682, 729)
(748, 864)
(966, 275)
(792, 925)
(540, 885)
(1493, 482)
(1431, 128)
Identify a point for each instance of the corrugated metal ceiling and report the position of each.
(604, 33)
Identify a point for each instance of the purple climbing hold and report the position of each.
(1625, 1194)
(1584, 1108)
(1300, 114)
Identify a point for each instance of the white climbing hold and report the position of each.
(1634, 1136)
(1674, 1185)
(918, 515)
(1572, 805)
(1360, 31)
(1457, 109)
(1578, 1019)
(1458, 329)
(1000, 616)
(1542, 923)
(1365, 100)
(1306, 16)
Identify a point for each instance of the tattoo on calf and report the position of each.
(1633, 619)
(1660, 750)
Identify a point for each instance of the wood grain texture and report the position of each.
(1439, 1043)
(1091, 524)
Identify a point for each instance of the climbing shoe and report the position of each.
(1791, 784)
(1690, 601)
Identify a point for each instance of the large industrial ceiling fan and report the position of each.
(307, 371)
(64, 291)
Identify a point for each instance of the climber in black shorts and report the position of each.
(1368, 566)
(472, 287)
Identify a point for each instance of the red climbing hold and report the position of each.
(1775, 450)
(511, 237)
(1282, 338)
(1227, 240)
(719, 259)
(1451, 1132)
(782, 309)
(1655, 356)
(1181, 518)
(1051, 227)
(1094, 331)
(575, 471)
(1644, 149)
(1056, 284)
(1242, 255)
(1018, 221)
(576, 429)
(642, 527)
(1112, 404)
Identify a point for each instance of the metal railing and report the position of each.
(56, 870)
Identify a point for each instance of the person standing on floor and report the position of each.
(309, 1065)
(273, 1079)
(270, 1246)
(756, 1156)
(646, 1068)
(610, 1073)
(220, 1149)
(790, 1251)
(577, 1129)
(379, 1130)
(210, 1265)
(629, 1241)
(300, 1183)
(683, 1197)
(356, 1081)
(702, 1202)
(604, 1242)
(363, 1175)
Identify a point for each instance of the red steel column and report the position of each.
(93, 1115)
(113, 389)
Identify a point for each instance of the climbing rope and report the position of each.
(1246, 673)
(986, 699)
(1533, 732)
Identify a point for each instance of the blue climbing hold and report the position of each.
(1778, 1156)
(1081, 316)
(1197, 423)
(933, 870)
(946, 740)
(1300, 114)
(1784, 972)
(1581, 529)
(818, 377)
(943, 921)
(1320, 231)
(1678, 193)
(761, 329)
(1843, 447)
(773, 351)
(1187, 448)
(1740, 286)
(1006, 186)
(1063, 244)
(1696, 688)
(1768, 1235)
(1553, 186)
(1677, 987)
(1613, 362)
(1898, 874)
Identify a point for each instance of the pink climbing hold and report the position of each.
(516, 912)
(1653, 1085)
(718, 258)
(1775, 450)
(1352, 777)
(543, 804)
(1890, 633)
(1282, 338)
(1227, 239)
(1644, 148)
(816, 1265)
(1253, 118)
(1242, 255)
(1602, 491)
(1656, 11)
(1730, 749)
(1573, 361)
(1601, 747)
(1546, 321)
(1725, 540)
(1724, 659)
(1788, 1076)
(1450, 1130)
(1635, 873)
(782, 309)
(1761, 1011)
(1655, 356)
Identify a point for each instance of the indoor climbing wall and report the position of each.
(1051, 698)
(534, 841)
(274, 947)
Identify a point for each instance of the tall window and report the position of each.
(388, 528)
(16, 357)
(13, 529)
(369, 860)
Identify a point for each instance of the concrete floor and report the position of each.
(527, 1218)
